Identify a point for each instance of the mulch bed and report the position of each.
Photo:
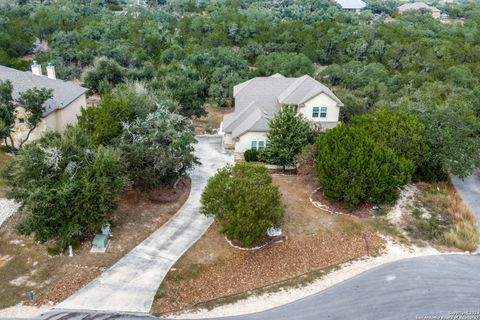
(191, 285)
(74, 280)
(361, 210)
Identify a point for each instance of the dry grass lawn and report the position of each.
(25, 265)
(212, 269)
(212, 120)
(440, 216)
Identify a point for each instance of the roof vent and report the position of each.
(51, 71)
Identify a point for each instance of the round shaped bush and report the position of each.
(245, 202)
(250, 155)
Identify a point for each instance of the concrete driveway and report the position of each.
(417, 288)
(469, 189)
(130, 285)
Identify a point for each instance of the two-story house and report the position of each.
(258, 99)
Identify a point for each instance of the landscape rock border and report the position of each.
(263, 245)
(323, 206)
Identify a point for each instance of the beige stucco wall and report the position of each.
(56, 121)
(321, 100)
(228, 142)
(69, 114)
(245, 141)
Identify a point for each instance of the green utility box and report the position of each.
(100, 243)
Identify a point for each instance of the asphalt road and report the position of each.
(408, 289)
(469, 189)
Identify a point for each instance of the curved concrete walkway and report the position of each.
(130, 285)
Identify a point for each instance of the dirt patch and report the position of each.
(211, 122)
(168, 194)
(315, 240)
(361, 210)
(57, 277)
(436, 215)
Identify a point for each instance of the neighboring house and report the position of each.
(62, 109)
(416, 6)
(258, 99)
(352, 5)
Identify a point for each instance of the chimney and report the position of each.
(51, 71)
(36, 68)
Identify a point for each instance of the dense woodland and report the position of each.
(196, 51)
(154, 64)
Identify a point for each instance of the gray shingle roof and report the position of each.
(351, 4)
(64, 92)
(417, 6)
(258, 99)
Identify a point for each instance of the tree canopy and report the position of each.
(200, 49)
(196, 51)
(31, 100)
(289, 132)
(158, 149)
(67, 186)
(399, 131)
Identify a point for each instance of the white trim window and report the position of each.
(257, 145)
(323, 112)
(315, 112)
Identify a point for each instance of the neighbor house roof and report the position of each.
(64, 92)
(351, 4)
(417, 6)
(258, 99)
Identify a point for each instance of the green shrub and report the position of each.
(103, 122)
(400, 131)
(352, 168)
(157, 150)
(67, 186)
(289, 133)
(245, 202)
(250, 155)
